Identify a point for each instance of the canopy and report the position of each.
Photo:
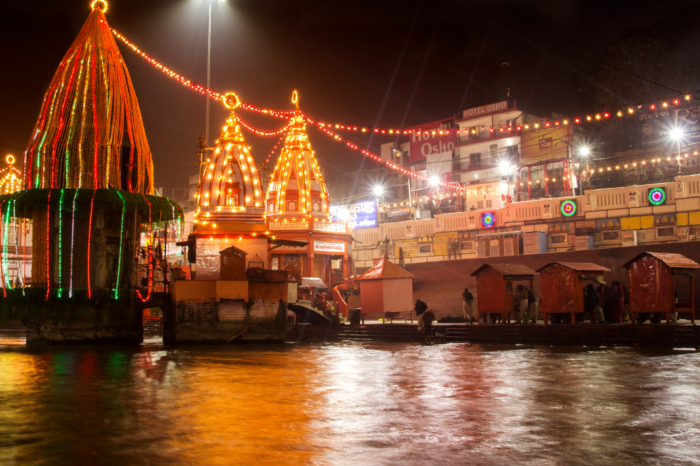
(672, 261)
(511, 272)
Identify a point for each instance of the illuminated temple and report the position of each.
(88, 191)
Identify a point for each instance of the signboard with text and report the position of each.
(546, 144)
(426, 139)
(328, 246)
(359, 215)
(476, 112)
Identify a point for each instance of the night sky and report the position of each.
(361, 62)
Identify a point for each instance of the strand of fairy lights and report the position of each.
(272, 152)
(3, 264)
(376, 158)
(60, 245)
(48, 246)
(121, 245)
(2, 267)
(72, 236)
(150, 256)
(20, 268)
(260, 132)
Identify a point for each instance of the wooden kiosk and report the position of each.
(494, 287)
(561, 284)
(652, 285)
(385, 289)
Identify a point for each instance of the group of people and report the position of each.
(525, 307)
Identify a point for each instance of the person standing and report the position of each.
(532, 307)
(618, 303)
(520, 303)
(467, 307)
(425, 319)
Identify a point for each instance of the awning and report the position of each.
(278, 243)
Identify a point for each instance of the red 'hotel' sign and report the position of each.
(425, 143)
(484, 110)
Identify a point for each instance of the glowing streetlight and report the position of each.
(677, 135)
(585, 151)
(434, 180)
(206, 124)
(378, 190)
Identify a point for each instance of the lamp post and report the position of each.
(585, 151)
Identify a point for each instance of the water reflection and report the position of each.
(347, 403)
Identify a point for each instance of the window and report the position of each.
(488, 203)
(475, 160)
(512, 152)
(231, 199)
(317, 206)
(291, 205)
(425, 249)
(270, 207)
(479, 204)
(493, 149)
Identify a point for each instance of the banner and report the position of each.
(546, 144)
(424, 143)
(359, 215)
(327, 246)
(485, 110)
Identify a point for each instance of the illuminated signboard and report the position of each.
(358, 215)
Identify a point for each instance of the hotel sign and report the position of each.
(427, 140)
(328, 246)
(484, 110)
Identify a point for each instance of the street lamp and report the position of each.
(434, 180)
(206, 123)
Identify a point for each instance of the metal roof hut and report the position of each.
(494, 287)
(561, 285)
(385, 288)
(652, 287)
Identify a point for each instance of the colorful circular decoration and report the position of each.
(568, 208)
(488, 220)
(657, 196)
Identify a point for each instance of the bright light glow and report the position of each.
(378, 190)
(585, 151)
(434, 180)
(504, 165)
(676, 133)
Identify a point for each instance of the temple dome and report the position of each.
(297, 188)
(230, 188)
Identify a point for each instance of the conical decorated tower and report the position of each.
(297, 209)
(230, 189)
(88, 185)
(89, 133)
(297, 190)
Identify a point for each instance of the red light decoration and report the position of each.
(150, 258)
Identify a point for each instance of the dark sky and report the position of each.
(360, 62)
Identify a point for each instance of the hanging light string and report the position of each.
(60, 245)
(5, 244)
(378, 159)
(272, 152)
(20, 268)
(121, 247)
(260, 132)
(48, 245)
(4, 254)
(72, 237)
(149, 246)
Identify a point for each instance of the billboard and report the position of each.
(426, 139)
(358, 215)
(545, 144)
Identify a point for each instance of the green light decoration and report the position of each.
(568, 208)
(72, 236)
(657, 196)
(59, 292)
(121, 244)
(20, 269)
(5, 236)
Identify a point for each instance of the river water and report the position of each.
(347, 403)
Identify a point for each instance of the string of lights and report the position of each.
(272, 152)
(260, 132)
(3, 263)
(60, 245)
(48, 246)
(149, 245)
(19, 262)
(378, 159)
(72, 237)
(121, 246)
